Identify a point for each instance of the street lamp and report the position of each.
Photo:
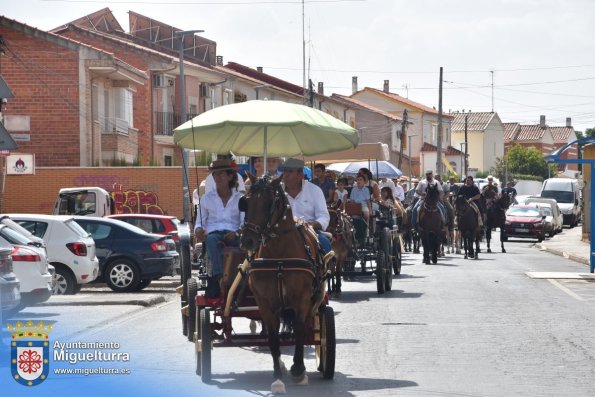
(185, 189)
(410, 166)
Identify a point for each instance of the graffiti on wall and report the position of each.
(135, 201)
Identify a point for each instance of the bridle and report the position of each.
(280, 205)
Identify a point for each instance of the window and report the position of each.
(95, 103)
(167, 161)
(123, 109)
(98, 231)
(434, 134)
(37, 229)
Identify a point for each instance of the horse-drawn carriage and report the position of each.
(377, 247)
(212, 322)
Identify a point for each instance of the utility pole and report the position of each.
(185, 188)
(466, 144)
(439, 135)
(403, 135)
(492, 72)
(303, 55)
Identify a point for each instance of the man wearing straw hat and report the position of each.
(219, 219)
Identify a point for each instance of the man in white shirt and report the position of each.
(306, 199)
(421, 189)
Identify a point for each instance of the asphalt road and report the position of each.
(458, 328)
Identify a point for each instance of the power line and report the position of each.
(204, 2)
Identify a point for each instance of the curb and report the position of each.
(564, 254)
(151, 300)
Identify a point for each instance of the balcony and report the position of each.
(165, 122)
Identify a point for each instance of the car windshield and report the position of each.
(527, 212)
(559, 196)
(547, 211)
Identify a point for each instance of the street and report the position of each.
(458, 328)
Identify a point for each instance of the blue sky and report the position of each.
(540, 51)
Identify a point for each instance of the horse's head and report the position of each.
(432, 193)
(333, 223)
(460, 203)
(265, 205)
(505, 200)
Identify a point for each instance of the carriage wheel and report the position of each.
(185, 270)
(191, 291)
(198, 342)
(380, 273)
(205, 354)
(325, 352)
(386, 245)
(397, 258)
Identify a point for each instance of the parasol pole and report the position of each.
(265, 151)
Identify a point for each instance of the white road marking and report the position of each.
(563, 288)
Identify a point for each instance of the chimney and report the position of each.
(219, 60)
(568, 122)
(542, 121)
(385, 88)
(354, 84)
(259, 69)
(321, 88)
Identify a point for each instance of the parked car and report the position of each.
(70, 249)
(129, 257)
(566, 192)
(10, 295)
(30, 265)
(525, 221)
(5, 220)
(554, 210)
(160, 224)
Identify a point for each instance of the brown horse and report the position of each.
(468, 227)
(430, 224)
(410, 235)
(496, 217)
(286, 274)
(341, 228)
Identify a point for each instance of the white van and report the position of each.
(566, 192)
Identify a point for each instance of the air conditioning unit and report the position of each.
(205, 91)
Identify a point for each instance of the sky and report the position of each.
(521, 58)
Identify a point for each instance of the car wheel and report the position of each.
(64, 281)
(122, 275)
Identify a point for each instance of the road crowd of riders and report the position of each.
(219, 220)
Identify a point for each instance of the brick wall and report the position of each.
(44, 78)
(37, 193)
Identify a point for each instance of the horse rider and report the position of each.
(421, 190)
(511, 191)
(307, 200)
(219, 219)
(410, 196)
(325, 183)
(451, 186)
(490, 191)
(471, 193)
(208, 183)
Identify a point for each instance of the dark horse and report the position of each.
(341, 228)
(468, 227)
(286, 271)
(496, 217)
(430, 224)
(410, 235)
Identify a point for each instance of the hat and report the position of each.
(490, 177)
(429, 172)
(293, 163)
(222, 165)
(414, 180)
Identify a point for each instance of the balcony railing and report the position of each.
(165, 122)
(115, 125)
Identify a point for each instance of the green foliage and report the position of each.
(523, 163)
(137, 161)
(589, 132)
(154, 162)
(117, 162)
(481, 174)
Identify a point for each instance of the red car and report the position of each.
(159, 224)
(525, 221)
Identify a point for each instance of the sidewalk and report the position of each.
(569, 245)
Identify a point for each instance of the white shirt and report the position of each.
(213, 215)
(423, 185)
(310, 204)
(341, 194)
(400, 195)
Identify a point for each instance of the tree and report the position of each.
(589, 132)
(523, 161)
